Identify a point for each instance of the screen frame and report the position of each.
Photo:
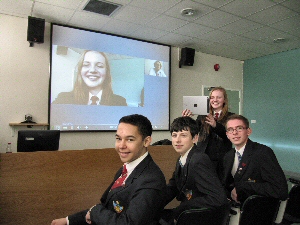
(167, 127)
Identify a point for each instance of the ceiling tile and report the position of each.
(216, 19)
(266, 34)
(68, 4)
(214, 3)
(121, 2)
(238, 41)
(198, 43)
(239, 29)
(231, 52)
(52, 14)
(89, 20)
(216, 36)
(262, 48)
(290, 43)
(173, 39)
(155, 5)
(148, 33)
(119, 27)
(289, 25)
(135, 15)
(193, 30)
(169, 24)
(199, 8)
(19, 8)
(292, 4)
(245, 8)
(271, 15)
(240, 26)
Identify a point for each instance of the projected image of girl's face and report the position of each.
(93, 70)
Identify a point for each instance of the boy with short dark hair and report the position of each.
(136, 194)
(195, 182)
(250, 168)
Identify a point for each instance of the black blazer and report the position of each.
(68, 98)
(199, 185)
(258, 173)
(216, 143)
(139, 202)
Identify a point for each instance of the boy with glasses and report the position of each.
(250, 168)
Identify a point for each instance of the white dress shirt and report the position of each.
(99, 95)
(184, 157)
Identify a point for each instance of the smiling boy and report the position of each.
(136, 194)
(250, 168)
(195, 182)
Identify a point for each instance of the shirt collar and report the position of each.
(241, 151)
(218, 112)
(184, 157)
(131, 166)
(98, 95)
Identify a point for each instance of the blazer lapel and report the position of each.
(186, 168)
(177, 169)
(138, 170)
(109, 193)
(229, 162)
(134, 175)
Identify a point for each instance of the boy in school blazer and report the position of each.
(257, 172)
(139, 199)
(195, 182)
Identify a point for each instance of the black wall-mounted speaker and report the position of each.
(187, 57)
(35, 30)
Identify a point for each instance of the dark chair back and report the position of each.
(205, 216)
(292, 211)
(259, 210)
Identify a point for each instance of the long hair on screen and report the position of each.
(81, 90)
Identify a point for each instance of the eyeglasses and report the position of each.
(230, 130)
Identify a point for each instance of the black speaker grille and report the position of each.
(35, 30)
(187, 56)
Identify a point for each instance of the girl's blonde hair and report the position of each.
(204, 127)
(81, 90)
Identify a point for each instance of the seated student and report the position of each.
(257, 172)
(139, 199)
(195, 182)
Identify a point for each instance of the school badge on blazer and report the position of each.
(188, 194)
(117, 207)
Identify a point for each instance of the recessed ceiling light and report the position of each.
(188, 12)
(279, 40)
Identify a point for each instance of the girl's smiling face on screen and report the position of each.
(93, 70)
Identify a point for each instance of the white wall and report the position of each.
(24, 81)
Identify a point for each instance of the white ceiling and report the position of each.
(236, 29)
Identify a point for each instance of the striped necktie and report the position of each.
(216, 116)
(119, 182)
(239, 156)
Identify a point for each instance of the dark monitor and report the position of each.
(38, 140)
